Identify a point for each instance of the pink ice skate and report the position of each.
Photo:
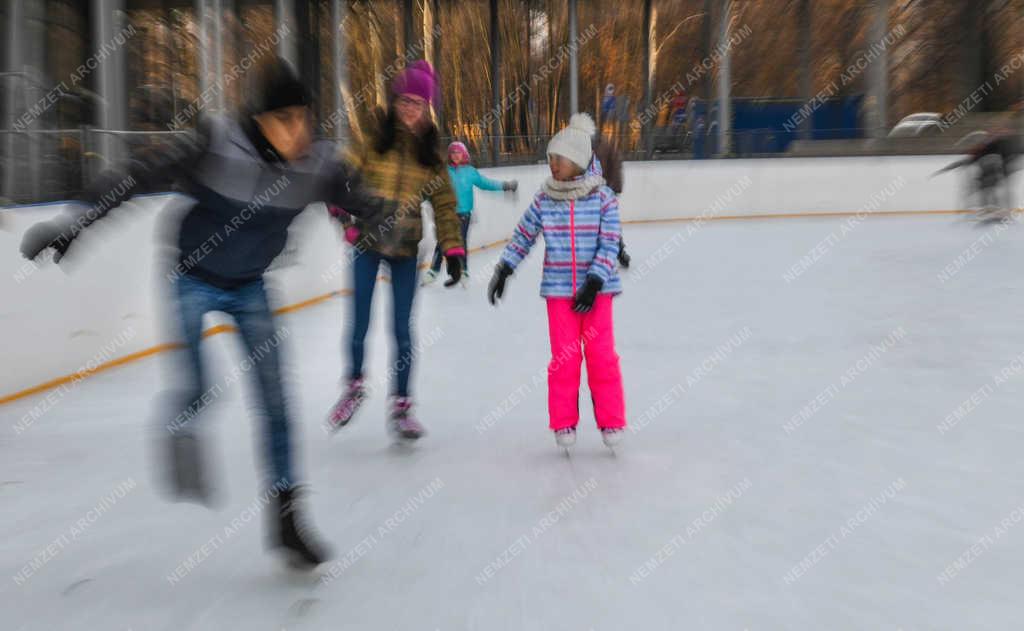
(347, 405)
(403, 424)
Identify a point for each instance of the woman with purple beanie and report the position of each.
(402, 164)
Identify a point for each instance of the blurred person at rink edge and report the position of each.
(579, 217)
(464, 177)
(249, 178)
(997, 157)
(403, 163)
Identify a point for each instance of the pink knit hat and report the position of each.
(460, 150)
(418, 79)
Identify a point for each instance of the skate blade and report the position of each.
(296, 562)
(333, 426)
(405, 439)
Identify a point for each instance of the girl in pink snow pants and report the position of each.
(579, 218)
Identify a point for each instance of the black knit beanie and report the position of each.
(275, 85)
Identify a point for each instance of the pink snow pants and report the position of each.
(568, 331)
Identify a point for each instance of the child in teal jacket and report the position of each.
(464, 177)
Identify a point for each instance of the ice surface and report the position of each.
(696, 523)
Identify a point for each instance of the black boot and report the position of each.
(186, 476)
(294, 535)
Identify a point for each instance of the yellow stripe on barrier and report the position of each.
(227, 328)
(78, 376)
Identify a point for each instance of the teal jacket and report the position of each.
(464, 177)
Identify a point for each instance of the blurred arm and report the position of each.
(485, 183)
(146, 169)
(351, 196)
(525, 235)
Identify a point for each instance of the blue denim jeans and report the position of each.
(403, 287)
(249, 307)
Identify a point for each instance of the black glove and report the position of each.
(454, 265)
(497, 285)
(584, 299)
(510, 185)
(46, 234)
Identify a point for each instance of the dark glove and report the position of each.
(496, 288)
(454, 264)
(510, 185)
(46, 234)
(584, 299)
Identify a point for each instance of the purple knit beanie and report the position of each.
(419, 79)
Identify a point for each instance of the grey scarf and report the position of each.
(573, 189)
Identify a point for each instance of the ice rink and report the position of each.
(832, 444)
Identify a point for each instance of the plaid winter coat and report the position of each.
(397, 176)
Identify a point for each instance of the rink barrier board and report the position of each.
(154, 350)
(298, 306)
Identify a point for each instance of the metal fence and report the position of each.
(51, 164)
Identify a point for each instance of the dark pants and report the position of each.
(403, 289)
(464, 221)
(248, 306)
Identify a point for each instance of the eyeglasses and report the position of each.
(408, 101)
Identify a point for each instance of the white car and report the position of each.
(920, 124)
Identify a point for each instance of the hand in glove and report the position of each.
(510, 185)
(584, 299)
(43, 235)
(453, 261)
(496, 288)
(347, 220)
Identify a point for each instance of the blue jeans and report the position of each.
(403, 288)
(249, 307)
(464, 221)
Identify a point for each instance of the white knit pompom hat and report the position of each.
(574, 142)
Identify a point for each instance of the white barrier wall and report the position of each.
(109, 299)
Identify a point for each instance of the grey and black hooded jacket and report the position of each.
(245, 196)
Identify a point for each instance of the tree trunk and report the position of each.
(972, 42)
(725, 82)
(400, 24)
(806, 82)
(373, 26)
(648, 57)
(428, 30)
(556, 85)
(878, 72)
(495, 35)
(528, 106)
(705, 52)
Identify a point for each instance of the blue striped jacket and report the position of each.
(581, 238)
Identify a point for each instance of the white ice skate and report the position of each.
(612, 436)
(429, 278)
(565, 437)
